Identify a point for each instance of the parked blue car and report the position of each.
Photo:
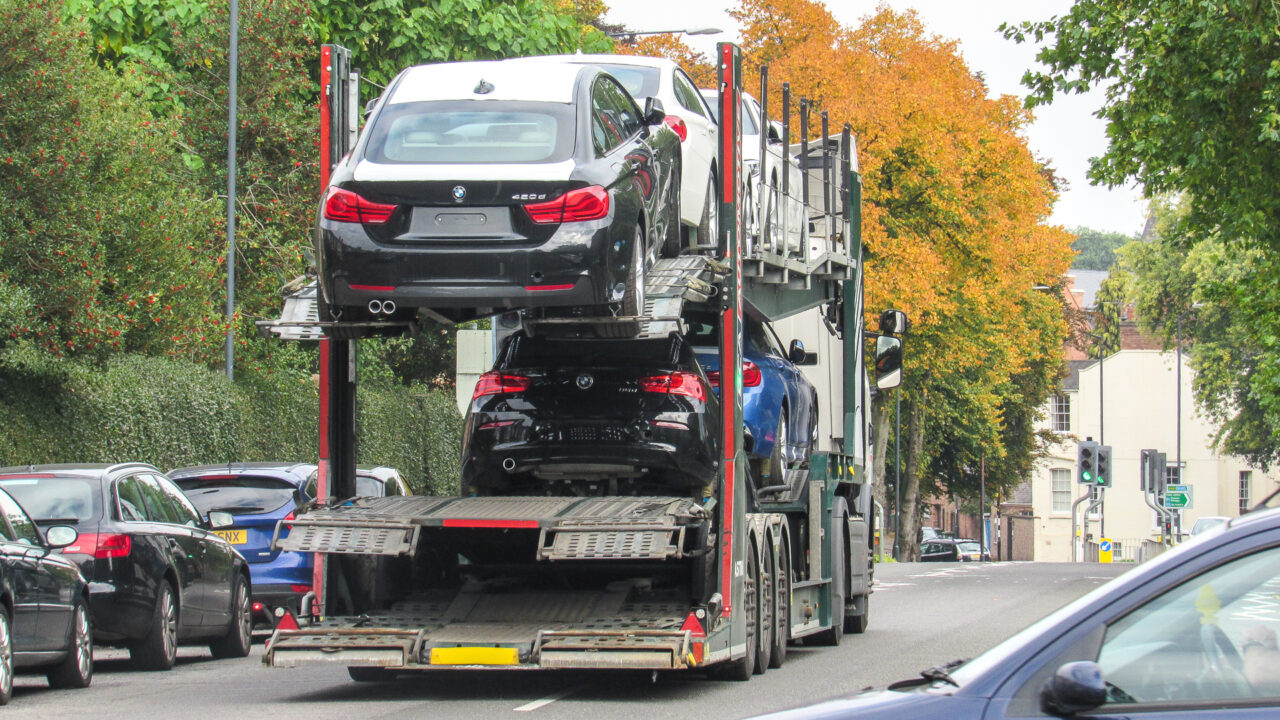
(258, 495)
(777, 400)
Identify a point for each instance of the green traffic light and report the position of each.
(1088, 477)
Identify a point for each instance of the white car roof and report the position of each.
(512, 80)
(584, 59)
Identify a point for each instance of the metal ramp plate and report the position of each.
(590, 542)
(350, 539)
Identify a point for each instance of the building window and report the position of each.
(1172, 475)
(1060, 413)
(1061, 490)
(1246, 477)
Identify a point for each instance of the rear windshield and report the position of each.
(452, 132)
(968, 547)
(238, 495)
(541, 351)
(61, 498)
(640, 82)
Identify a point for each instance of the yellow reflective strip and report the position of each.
(475, 656)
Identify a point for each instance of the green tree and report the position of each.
(1096, 248)
(1192, 101)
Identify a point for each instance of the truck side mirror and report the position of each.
(796, 353)
(888, 362)
(894, 322)
(653, 111)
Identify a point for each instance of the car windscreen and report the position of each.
(239, 495)
(56, 497)
(640, 82)
(451, 132)
(549, 352)
(369, 487)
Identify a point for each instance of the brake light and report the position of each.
(677, 383)
(751, 376)
(496, 383)
(101, 547)
(588, 203)
(346, 206)
(300, 588)
(496, 425)
(676, 124)
(288, 518)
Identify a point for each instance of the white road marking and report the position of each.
(530, 707)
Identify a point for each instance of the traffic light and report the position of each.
(1087, 462)
(1104, 466)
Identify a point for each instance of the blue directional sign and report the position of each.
(1106, 546)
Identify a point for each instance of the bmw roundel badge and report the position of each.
(459, 193)
(585, 381)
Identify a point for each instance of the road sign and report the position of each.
(1177, 497)
(1104, 550)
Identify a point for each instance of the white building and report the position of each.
(1140, 411)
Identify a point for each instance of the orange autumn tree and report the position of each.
(955, 228)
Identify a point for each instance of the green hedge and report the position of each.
(172, 413)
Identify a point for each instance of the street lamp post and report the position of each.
(681, 31)
(233, 52)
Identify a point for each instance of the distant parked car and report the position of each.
(480, 186)
(44, 604)
(257, 495)
(158, 574)
(951, 550)
(591, 417)
(371, 481)
(689, 115)
(779, 405)
(1209, 522)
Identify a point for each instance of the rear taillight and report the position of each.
(346, 206)
(750, 375)
(588, 203)
(677, 383)
(102, 547)
(676, 124)
(496, 383)
(288, 518)
(300, 588)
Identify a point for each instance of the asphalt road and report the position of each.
(922, 615)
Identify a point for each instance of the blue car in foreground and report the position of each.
(257, 495)
(777, 400)
(1189, 635)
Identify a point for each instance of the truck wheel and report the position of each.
(742, 669)
(782, 605)
(159, 649)
(766, 602)
(857, 624)
(76, 669)
(371, 674)
(839, 576)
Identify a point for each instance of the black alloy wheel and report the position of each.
(6, 657)
(673, 243)
(158, 650)
(709, 228)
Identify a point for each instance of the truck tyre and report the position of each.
(742, 669)
(76, 669)
(857, 624)
(371, 674)
(159, 649)
(782, 605)
(766, 604)
(237, 641)
(839, 575)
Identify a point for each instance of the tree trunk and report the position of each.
(881, 412)
(911, 482)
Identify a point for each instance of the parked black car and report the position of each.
(1189, 635)
(587, 416)
(44, 605)
(158, 576)
(942, 549)
(482, 186)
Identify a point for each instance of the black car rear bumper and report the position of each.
(575, 266)
(118, 615)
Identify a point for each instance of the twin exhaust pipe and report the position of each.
(382, 307)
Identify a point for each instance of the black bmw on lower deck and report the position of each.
(591, 417)
(483, 186)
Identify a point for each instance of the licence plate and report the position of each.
(235, 537)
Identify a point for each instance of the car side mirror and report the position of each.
(60, 536)
(888, 362)
(775, 133)
(219, 519)
(1075, 688)
(653, 111)
(796, 353)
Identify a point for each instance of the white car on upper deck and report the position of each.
(688, 114)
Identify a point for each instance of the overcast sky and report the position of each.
(1065, 133)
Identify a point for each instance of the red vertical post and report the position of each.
(733, 517)
(322, 474)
